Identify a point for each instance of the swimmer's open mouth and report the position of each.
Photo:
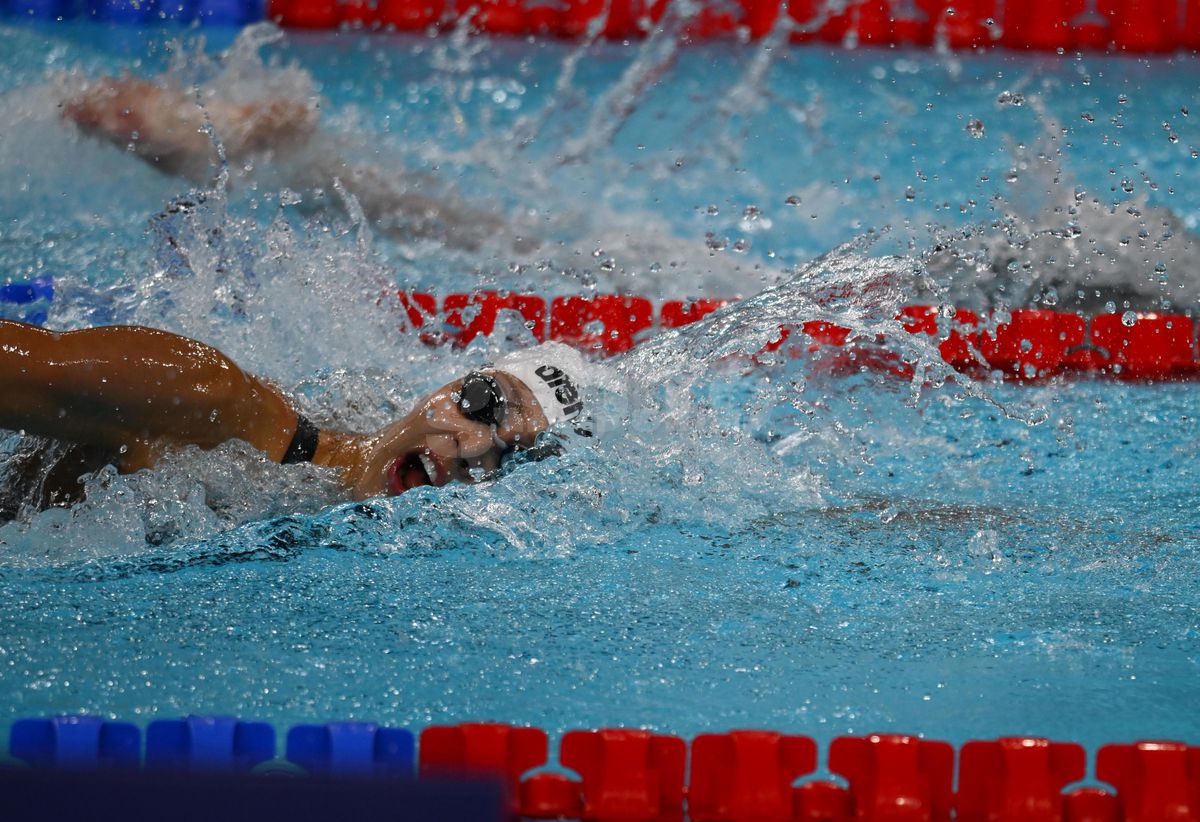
(416, 468)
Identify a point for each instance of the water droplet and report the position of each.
(750, 213)
(1127, 186)
(1008, 98)
(975, 128)
(1087, 115)
(712, 211)
(1122, 99)
(793, 200)
(1173, 137)
(1184, 111)
(909, 194)
(1012, 176)
(1129, 318)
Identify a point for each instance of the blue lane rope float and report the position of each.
(139, 12)
(352, 749)
(75, 742)
(217, 744)
(27, 300)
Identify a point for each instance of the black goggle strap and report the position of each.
(481, 399)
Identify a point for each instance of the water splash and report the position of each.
(303, 296)
(1057, 244)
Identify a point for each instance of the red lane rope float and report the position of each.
(763, 776)
(1140, 26)
(1026, 345)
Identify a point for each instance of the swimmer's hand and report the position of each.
(170, 129)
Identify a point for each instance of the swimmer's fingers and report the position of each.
(473, 441)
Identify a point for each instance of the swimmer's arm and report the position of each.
(160, 126)
(135, 390)
(169, 129)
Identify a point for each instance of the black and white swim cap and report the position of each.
(552, 372)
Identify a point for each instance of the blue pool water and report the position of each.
(770, 547)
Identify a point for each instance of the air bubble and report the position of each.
(1128, 319)
(975, 128)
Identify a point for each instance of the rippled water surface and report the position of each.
(781, 545)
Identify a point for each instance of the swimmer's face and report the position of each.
(437, 443)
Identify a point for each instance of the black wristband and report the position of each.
(304, 442)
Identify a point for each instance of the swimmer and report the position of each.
(129, 394)
(177, 132)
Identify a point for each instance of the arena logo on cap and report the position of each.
(565, 391)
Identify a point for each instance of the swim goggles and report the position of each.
(481, 399)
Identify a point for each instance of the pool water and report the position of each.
(773, 546)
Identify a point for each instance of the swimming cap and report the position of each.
(552, 372)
